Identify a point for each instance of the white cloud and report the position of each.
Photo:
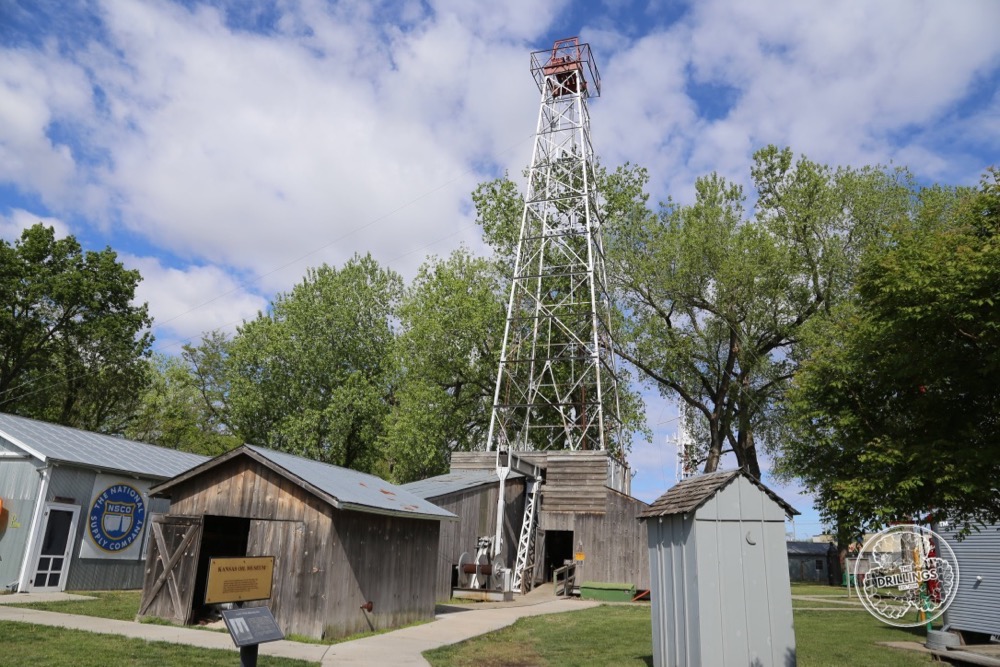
(836, 81)
(246, 151)
(37, 88)
(187, 302)
(15, 222)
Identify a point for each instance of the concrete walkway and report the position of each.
(401, 647)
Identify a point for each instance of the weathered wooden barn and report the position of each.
(75, 506)
(340, 539)
(472, 496)
(586, 514)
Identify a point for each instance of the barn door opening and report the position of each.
(52, 564)
(222, 537)
(558, 549)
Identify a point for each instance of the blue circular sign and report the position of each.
(117, 517)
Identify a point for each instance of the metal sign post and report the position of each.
(249, 628)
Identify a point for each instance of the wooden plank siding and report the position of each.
(615, 542)
(575, 482)
(389, 561)
(576, 497)
(488, 460)
(475, 509)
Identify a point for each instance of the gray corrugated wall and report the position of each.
(95, 574)
(673, 592)
(976, 606)
(19, 482)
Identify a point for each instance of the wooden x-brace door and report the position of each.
(171, 567)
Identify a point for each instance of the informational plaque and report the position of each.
(250, 626)
(239, 579)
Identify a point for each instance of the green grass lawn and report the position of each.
(821, 589)
(611, 634)
(44, 646)
(606, 635)
(117, 605)
(622, 635)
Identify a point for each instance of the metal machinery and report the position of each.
(556, 385)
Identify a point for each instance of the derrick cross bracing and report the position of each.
(556, 385)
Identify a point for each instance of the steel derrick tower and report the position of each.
(556, 385)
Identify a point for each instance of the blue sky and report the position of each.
(223, 147)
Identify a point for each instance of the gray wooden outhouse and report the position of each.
(976, 607)
(75, 506)
(719, 573)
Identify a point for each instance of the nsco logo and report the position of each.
(117, 517)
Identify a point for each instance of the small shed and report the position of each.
(811, 561)
(340, 539)
(719, 571)
(75, 506)
(472, 496)
(976, 607)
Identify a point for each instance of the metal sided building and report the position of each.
(75, 506)
(586, 515)
(976, 607)
(340, 539)
(472, 496)
(720, 592)
(811, 561)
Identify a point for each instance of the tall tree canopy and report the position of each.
(710, 299)
(716, 299)
(314, 375)
(896, 409)
(452, 318)
(72, 343)
(171, 412)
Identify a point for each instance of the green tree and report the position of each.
(314, 375)
(172, 413)
(716, 299)
(452, 316)
(895, 410)
(72, 343)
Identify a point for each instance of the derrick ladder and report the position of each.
(524, 566)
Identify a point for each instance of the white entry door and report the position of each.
(58, 535)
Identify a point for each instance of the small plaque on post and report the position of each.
(239, 579)
(251, 626)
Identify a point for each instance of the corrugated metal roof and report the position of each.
(62, 444)
(341, 487)
(691, 493)
(454, 481)
(354, 490)
(808, 548)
